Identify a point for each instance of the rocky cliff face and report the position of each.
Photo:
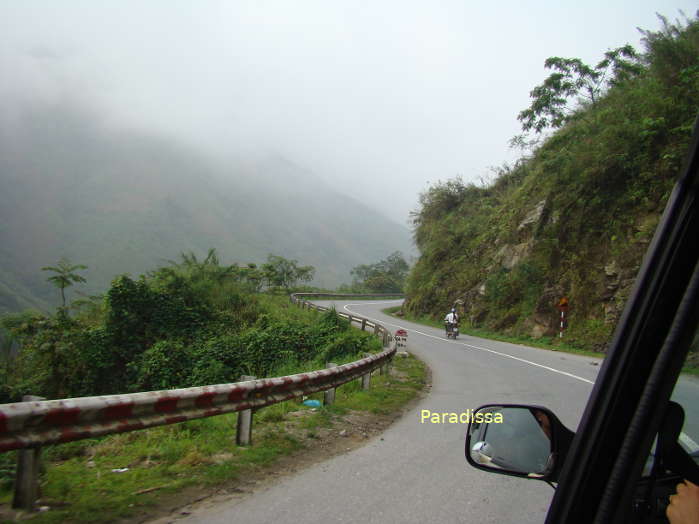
(571, 219)
(613, 280)
(506, 255)
(597, 287)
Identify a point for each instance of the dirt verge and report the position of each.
(348, 432)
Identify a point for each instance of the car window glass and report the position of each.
(521, 454)
(686, 394)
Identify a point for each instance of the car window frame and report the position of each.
(609, 447)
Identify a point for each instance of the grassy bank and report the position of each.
(543, 343)
(179, 462)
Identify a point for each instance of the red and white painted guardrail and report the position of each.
(379, 330)
(31, 424)
(37, 423)
(26, 426)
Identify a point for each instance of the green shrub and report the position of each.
(219, 359)
(209, 372)
(181, 326)
(349, 344)
(165, 365)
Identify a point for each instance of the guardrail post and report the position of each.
(376, 329)
(243, 435)
(349, 317)
(366, 381)
(385, 367)
(385, 338)
(329, 394)
(27, 478)
(364, 324)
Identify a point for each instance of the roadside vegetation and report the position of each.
(691, 366)
(543, 342)
(385, 276)
(603, 145)
(191, 322)
(171, 465)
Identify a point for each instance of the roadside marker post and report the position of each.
(563, 308)
(401, 339)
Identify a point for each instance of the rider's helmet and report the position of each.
(453, 310)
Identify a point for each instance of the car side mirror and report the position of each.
(520, 440)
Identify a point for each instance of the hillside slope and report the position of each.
(122, 202)
(574, 219)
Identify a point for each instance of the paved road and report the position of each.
(416, 472)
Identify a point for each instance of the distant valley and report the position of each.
(124, 202)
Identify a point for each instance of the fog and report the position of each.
(377, 98)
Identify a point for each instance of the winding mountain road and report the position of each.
(416, 472)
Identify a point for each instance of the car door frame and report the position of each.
(643, 363)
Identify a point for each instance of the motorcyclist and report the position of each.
(451, 320)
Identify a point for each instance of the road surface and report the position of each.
(416, 471)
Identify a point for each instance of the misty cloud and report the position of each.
(375, 98)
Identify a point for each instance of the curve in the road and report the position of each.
(504, 355)
(416, 471)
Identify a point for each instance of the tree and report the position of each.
(282, 272)
(208, 269)
(671, 52)
(253, 277)
(65, 276)
(576, 80)
(385, 276)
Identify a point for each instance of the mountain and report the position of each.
(574, 218)
(120, 201)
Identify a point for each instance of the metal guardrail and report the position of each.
(35, 423)
(31, 424)
(379, 330)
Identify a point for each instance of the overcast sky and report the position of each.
(380, 98)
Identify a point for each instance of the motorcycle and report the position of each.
(452, 330)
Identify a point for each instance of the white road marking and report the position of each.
(372, 303)
(689, 444)
(553, 370)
